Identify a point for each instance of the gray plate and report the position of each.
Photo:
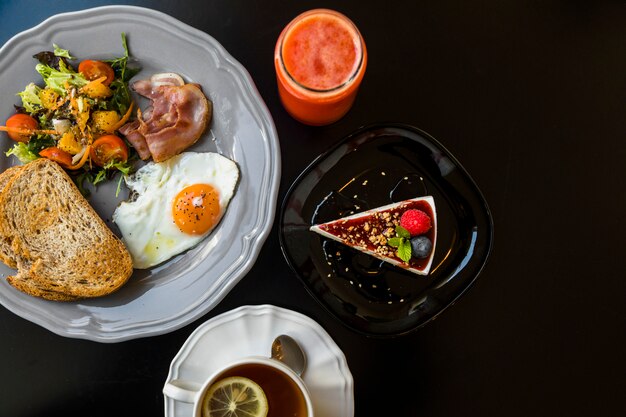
(171, 295)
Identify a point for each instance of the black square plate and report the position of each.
(372, 167)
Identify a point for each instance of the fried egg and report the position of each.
(174, 205)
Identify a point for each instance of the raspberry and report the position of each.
(415, 221)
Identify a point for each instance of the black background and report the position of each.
(530, 97)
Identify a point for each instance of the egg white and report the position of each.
(146, 221)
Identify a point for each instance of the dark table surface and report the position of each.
(530, 97)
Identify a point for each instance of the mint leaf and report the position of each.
(395, 242)
(402, 232)
(404, 251)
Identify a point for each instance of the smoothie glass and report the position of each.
(320, 59)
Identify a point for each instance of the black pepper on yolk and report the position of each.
(196, 209)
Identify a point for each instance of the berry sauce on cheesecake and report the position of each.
(402, 233)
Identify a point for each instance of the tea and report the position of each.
(283, 395)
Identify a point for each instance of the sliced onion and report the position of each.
(61, 125)
(79, 155)
(167, 78)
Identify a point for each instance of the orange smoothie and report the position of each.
(320, 60)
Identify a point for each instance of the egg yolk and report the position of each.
(196, 209)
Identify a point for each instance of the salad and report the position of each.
(73, 118)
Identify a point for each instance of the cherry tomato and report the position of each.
(95, 69)
(22, 121)
(57, 155)
(108, 148)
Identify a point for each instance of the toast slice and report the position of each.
(371, 232)
(8, 258)
(62, 248)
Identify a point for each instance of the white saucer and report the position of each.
(249, 331)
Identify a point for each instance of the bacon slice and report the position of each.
(177, 118)
(136, 139)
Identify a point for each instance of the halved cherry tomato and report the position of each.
(21, 121)
(93, 70)
(57, 155)
(108, 148)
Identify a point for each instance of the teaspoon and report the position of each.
(287, 350)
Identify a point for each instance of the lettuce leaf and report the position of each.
(27, 152)
(56, 79)
(21, 151)
(30, 98)
(62, 52)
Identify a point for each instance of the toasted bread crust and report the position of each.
(62, 248)
(32, 288)
(6, 253)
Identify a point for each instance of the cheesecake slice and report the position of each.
(376, 233)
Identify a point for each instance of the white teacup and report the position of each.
(285, 391)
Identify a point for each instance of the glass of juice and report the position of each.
(320, 60)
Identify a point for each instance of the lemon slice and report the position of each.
(235, 397)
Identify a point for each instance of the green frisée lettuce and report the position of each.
(61, 52)
(56, 79)
(30, 98)
(20, 151)
(27, 152)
